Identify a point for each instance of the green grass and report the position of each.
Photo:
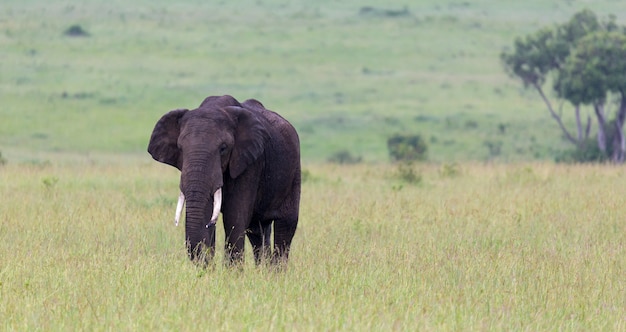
(473, 247)
(87, 240)
(346, 80)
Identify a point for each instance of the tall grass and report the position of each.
(518, 247)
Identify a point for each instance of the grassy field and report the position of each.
(86, 236)
(469, 247)
(348, 74)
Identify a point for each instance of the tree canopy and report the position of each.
(596, 67)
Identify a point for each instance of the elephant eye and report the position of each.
(223, 148)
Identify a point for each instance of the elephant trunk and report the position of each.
(217, 207)
(202, 195)
(199, 237)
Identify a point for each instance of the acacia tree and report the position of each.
(595, 71)
(578, 56)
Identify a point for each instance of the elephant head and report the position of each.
(218, 139)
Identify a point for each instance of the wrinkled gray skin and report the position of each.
(253, 154)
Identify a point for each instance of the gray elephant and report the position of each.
(237, 158)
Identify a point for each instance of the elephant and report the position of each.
(239, 159)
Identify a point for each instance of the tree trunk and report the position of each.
(579, 125)
(619, 144)
(588, 129)
(556, 116)
(599, 108)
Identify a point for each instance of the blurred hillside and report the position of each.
(347, 74)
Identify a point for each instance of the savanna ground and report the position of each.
(475, 247)
(87, 240)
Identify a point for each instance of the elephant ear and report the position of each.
(251, 136)
(163, 144)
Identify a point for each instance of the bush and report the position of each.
(494, 147)
(381, 12)
(344, 157)
(407, 148)
(49, 182)
(3, 160)
(588, 152)
(449, 170)
(306, 176)
(407, 173)
(76, 31)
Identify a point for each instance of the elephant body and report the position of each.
(240, 159)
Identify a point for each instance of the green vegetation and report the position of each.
(344, 157)
(585, 58)
(76, 31)
(490, 248)
(348, 75)
(86, 239)
(407, 148)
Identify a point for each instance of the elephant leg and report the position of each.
(259, 235)
(210, 243)
(237, 212)
(234, 245)
(284, 230)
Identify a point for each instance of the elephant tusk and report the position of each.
(217, 206)
(179, 207)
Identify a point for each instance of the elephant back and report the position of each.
(217, 102)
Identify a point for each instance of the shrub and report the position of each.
(344, 157)
(471, 124)
(306, 175)
(407, 173)
(494, 147)
(76, 31)
(49, 182)
(502, 128)
(3, 160)
(407, 148)
(382, 12)
(587, 152)
(449, 170)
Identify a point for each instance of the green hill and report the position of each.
(347, 74)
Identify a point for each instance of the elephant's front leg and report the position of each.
(237, 214)
(209, 237)
(210, 243)
(238, 204)
(259, 234)
(235, 241)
